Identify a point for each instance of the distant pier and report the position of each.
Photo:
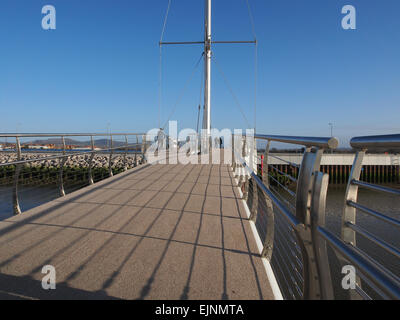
(377, 168)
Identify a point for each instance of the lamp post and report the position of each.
(331, 125)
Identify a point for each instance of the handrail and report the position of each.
(61, 156)
(308, 220)
(65, 155)
(382, 279)
(321, 142)
(311, 189)
(391, 141)
(41, 135)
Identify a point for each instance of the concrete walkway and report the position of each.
(154, 232)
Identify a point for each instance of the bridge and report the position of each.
(127, 221)
(156, 232)
(225, 230)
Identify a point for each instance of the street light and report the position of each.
(331, 125)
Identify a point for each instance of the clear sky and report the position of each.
(100, 67)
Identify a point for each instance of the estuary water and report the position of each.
(29, 197)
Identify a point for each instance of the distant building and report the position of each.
(38, 147)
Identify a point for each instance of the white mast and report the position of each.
(207, 69)
(207, 66)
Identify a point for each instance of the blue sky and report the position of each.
(100, 67)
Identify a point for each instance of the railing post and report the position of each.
(110, 172)
(270, 217)
(17, 209)
(246, 183)
(242, 173)
(144, 149)
(349, 213)
(136, 149)
(265, 178)
(254, 201)
(270, 232)
(126, 153)
(91, 161)
(318, 206)
(304, 196)
(233, 152)
(236, 144)
(61, 172)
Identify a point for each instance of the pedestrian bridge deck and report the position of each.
(153, 232)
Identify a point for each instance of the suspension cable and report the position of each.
(160, 64)
(231, 91)
(183, 90)
(253, 30)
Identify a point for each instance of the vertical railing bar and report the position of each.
(92, 155)
(318, 219)
(110, 172)
(266, 161)
(254, 205)
(61, 170)
(17, 209)
(136, 151)
(143, 148)
(350, 213)
(126, 153)
(304, 196)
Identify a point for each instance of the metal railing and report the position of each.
(377, 279)
(288, 206)
(89, 156)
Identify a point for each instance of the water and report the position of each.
(29, 197)
(384, 203)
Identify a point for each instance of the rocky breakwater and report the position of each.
(81, 161)
(75, 167)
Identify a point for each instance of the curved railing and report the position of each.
(61, 156)
(373, 278)
(287, 205)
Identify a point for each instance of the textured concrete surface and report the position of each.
(153, 232)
